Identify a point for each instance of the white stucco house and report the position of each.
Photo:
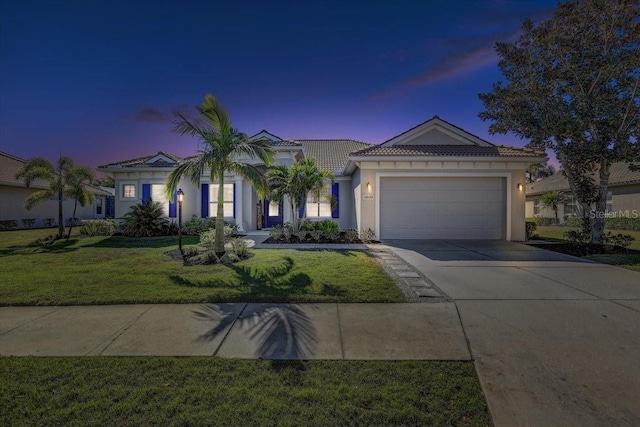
(433, 181)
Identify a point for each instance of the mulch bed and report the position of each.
(295, 240)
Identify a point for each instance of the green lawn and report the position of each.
(114, 270)
(226, 392)
(630, 262)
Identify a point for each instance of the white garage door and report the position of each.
(442, 208)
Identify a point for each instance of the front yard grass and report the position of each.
(628, 261)
(121, 270)
(227, 392)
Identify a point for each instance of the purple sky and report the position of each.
(98, 80)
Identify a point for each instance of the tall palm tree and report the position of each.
(297, 183)
(41, 168)
(221, 144)
(77, 177)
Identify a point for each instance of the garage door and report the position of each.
(442, 208)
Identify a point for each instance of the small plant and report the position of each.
(621, 240)
(208, 239)
(229, 258)
(28, 222)
(307, 225)
(530, 229)
(316, 235)
(276, 233)
(190, 251)
(367, 236)
(301, 235)
(48, 222)
(351, 235)
(327, 225)
(240, 247)
(145, 220)
(8, 224)
(287, 232)
(229, 230)
(97, 227)
(332, 235)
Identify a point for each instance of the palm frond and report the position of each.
(36, 198)
(215, 115)
(252, 174)
(36, 168)
(191, 168)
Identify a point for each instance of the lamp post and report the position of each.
(180, 199)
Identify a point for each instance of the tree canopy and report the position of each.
(573, 87)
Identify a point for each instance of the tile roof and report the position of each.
(330, 154)
(620, 175)
(285, 143)
(446, 150)
(142, 161)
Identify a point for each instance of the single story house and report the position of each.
(623, 198)
(432, 181)
(13, 193)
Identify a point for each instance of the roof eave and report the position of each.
(519, 159)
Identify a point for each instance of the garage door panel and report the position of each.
(436, 208)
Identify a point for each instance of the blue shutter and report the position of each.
(146, 192)
(234, 199)
(301, 210)
(172, 205)
(335, 192)
(204, 212)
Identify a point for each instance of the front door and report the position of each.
(272, 214)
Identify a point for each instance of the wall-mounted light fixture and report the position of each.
(368, 186)
(520, 186)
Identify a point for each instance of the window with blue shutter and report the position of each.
(146, 192)
(205, 200)
(173, 204)
(335, 192)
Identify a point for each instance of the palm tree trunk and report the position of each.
(73, 217)
(60, 216)
(219, 242)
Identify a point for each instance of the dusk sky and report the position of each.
(98, 80)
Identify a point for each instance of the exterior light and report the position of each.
(369, 186)
(180, 200)
(520, 186)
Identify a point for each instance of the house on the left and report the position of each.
(13, 193)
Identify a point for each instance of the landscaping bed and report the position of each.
(228, 392)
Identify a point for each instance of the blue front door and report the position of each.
(272, 214)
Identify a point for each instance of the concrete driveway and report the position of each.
(555, 339)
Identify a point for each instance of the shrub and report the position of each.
(316, 235)
(276, 232)
(8, 224)
(573, 221)
(621, 240)
(194, 226)
(208, 238)
(145, 220)
(367, 235)
(48, 222)
(327, 225)
(287, 232)
(28, 222)
(622, 223)
(240, 247)
(541, 221)
(229, 258)
(97, 227)
(307, 225)
(190, 251)
(351, 235)
(332, 235)
(530, 229)
(301, 235)
(229, 230)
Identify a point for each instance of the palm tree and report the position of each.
(553, 200)
(221, 144)
(41, 168)
(297, 183)
(77, 177)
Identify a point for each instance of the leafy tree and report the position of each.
(106, 181)
(297, 182)
(56, 178)
(572, 86)
(540, 170)
(553, 200)
(77, 177)
(222, 147)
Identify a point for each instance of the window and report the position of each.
(609, 207)
(129, 191)
(536, 206)
(319, 205)
(99, 206)
(228, 200)
(157, 195)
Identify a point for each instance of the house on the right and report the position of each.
(623, 197)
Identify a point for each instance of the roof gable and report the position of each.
(436, 131)
(160, 159)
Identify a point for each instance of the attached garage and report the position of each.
(442, 207)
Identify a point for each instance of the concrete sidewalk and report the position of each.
(273, 331)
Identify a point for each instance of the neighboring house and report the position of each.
(623, 198)
(433, 181)
(13, 193)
